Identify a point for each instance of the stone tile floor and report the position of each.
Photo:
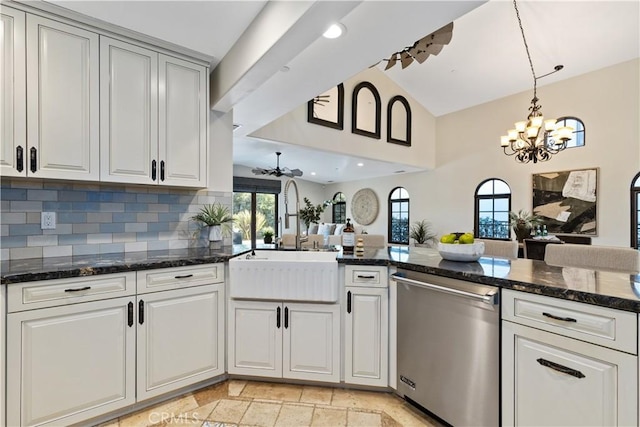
(237, 403)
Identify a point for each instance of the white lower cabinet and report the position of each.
(284, 340)
(549, 379)
(180, 338)
(83, 347)
(366, 336)
(70, 363)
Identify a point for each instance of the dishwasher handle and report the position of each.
(488, 298)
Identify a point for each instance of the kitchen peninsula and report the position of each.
(152, 285)
(609, 289)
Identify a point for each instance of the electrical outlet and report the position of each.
(48, 221)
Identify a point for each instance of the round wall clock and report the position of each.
(364, 206)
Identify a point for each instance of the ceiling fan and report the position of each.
(277, 171)
(430, 44)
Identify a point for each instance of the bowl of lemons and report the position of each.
(460, 247)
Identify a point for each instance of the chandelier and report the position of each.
(537, 138)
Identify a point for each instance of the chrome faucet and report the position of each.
(286, 211)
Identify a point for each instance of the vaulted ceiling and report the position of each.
(484, 61)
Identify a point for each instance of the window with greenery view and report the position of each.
(399, 216)
(492, 206)
(254, 213)
(255, 209)
(339, 209)
(635, 212)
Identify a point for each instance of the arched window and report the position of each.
(492, 206)
(577, 139)
(399, 216)
(339, 208)
(635, 211)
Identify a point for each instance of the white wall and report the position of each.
(293, 128)
(468, 151)
(221, 151)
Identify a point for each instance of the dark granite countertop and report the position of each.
(63, 267)
(608, 289)
(603, 288)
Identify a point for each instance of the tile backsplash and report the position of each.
(95, 218)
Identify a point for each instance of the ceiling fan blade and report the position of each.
(443, 35)
(392, 61)
(421, 56)
(259, 171)
(434, 49)
(296, 172)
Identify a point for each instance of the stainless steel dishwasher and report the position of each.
(449, 347)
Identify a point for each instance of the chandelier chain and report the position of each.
(526, 46)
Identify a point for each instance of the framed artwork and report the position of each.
(399, 121)
(365, 110)
(327, 109)
(567, 201)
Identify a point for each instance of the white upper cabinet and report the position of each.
(128, 113)
(81, 106)
(153, 123)
(13, 120)
(62, 101)
(183, 123)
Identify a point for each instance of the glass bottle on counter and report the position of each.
(348, 238)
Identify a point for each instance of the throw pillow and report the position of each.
(339, 228)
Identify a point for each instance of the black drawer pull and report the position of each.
(19, 159)
(161, 170)
(366, 277)
(560, 368)
(286, 317)
(564, 319)
(33, 159)
(86, 288)
(153, 170)
(130, 314)
(184, 276)
(349, 302)
(141, 312)
(278, 317)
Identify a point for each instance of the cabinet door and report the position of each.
(255, 338)
(180, 338)
(183, 123)
(62, 101)
(128, 112)
(13, 120)
(366, 336)
(311, 342)
(550, 380)
(67, 364)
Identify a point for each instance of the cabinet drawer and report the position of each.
(366, 276)
(50, 293)
(599, 325)
(179, 277)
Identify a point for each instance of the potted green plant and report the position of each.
(422, 233)
(523, 222)
(267, 235)
(215, 216)
(310, 213)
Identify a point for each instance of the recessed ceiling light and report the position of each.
(360, 164)
(335, 31)
(313, 173)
